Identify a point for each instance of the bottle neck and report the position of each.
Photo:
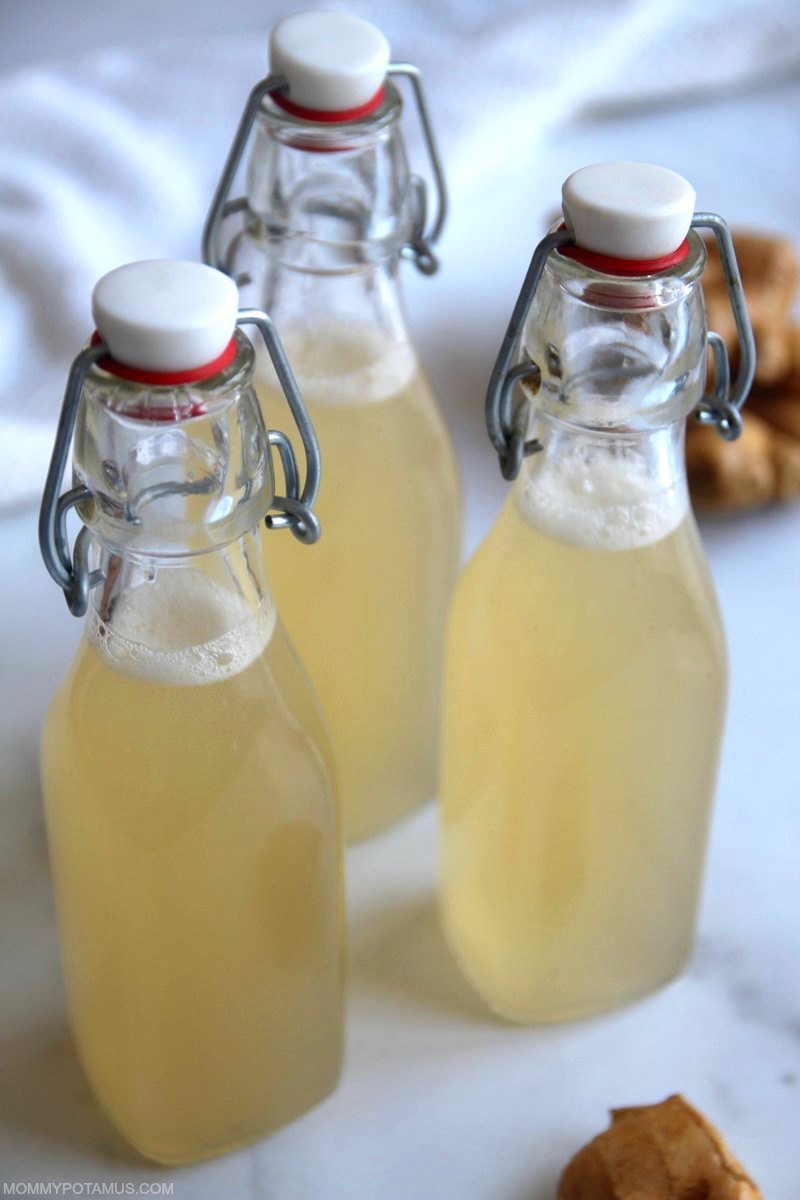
(330, 209)
(618, 353)
(181, 621)
(364, 306)
(173, 471)
(621, 361)
(346, 335)
(604, 490)
(328, 199)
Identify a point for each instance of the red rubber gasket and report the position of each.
(608, 265)
(323, 117)
(152, 412)
(167, 378)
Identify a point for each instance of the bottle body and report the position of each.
(331, 209)
(367, 614)
(575, 809)
(585, 677)
(193, 836)
(188, 785)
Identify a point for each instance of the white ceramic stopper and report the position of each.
(331, 61)
(164, 314)
(628, 209)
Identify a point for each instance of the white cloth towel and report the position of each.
(114, 158)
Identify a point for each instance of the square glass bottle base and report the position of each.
(544, 1004)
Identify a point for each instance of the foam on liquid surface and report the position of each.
(183, 629)
(341, 364)
(600, 498)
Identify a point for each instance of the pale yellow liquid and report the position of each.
(584, 699)
(195, 850)
(366, 608)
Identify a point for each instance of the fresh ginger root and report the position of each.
(770, 274)
(666, 1151)
(764, 464)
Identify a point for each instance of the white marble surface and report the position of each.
(439, 1100)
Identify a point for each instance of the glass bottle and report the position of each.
(191, 813)
(331, 208)
(585, 675)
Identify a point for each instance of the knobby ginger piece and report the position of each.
(769, 269)
(666, 1151)
(792, 380)
(763, 466)
(785, 454)
(779, 409)
(770, 275)
(729, 475)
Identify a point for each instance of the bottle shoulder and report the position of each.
(237, 702)
(553, 620)
(560, 575)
